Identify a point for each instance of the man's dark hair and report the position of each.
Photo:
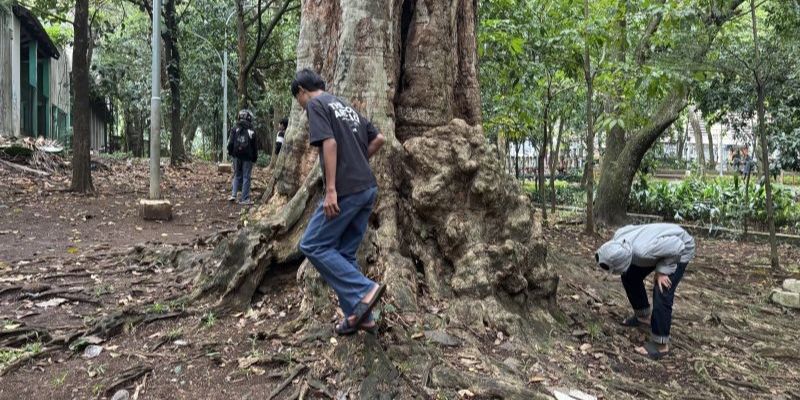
(308, 80)
(285, 122)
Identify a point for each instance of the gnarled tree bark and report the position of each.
(450, 226)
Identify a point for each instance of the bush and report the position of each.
(566, 193)
(719, 201)
(263, 160)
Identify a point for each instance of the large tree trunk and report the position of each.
(81, 137)
(449, 226)
(620, 165)
(177, 153)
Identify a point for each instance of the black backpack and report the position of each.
(241, 144)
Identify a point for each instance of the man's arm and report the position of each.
(375, 144)
(331, 203)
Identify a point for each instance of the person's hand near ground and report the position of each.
(662, 281)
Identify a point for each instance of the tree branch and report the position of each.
(263, 40)
(261, 11)
(644, 42)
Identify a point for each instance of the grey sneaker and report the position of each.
(246, 202)
(232, 199)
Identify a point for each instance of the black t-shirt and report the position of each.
(330, 117)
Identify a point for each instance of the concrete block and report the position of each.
(224, 168)
(158, 210)
(791, 285)
(786, 299)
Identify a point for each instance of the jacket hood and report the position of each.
(616, 254)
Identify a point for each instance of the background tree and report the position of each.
(81, 60)
(651, 86)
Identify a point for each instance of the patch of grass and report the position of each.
(595, 330)
(96, 389)
(59, 380)
(102, 289)
(9, 355)
(175, 333)
(96, 370)
(208, 320)
(158, 308)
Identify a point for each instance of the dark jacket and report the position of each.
(243, 128)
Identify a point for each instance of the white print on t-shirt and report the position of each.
(346, 114)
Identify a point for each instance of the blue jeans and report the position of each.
(661, 315)
(331, 246)
(241, 177)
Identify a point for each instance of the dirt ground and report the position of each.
(63, 266)
(41, 220)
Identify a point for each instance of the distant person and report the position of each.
(748, 165)
(737, 161)
(284, 124)
(243, 149)
(346, 140)
(634, 253)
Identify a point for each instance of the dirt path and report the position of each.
(729, 341)
(41, 220)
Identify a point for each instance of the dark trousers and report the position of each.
(661, 315)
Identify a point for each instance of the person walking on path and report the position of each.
(346, 140)
(634, 253)
(243, 149)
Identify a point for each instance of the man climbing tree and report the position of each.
(346, 140)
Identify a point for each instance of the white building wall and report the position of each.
(59, 82)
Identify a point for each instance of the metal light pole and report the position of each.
(155, 107)
(225, 91)
(225, 107)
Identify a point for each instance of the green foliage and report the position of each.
(719, 201)
(9, 355)
(61, 34)
(263, 159)
(569, 194)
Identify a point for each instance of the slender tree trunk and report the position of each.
(543, 153)
(81, 133)
(712, 161)
(173, 60)
(698, 141)
(516, 159)
(241, 49)
(746, 214)
(762, 135)
(554, 155)
(683, 134)
(588, 75)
